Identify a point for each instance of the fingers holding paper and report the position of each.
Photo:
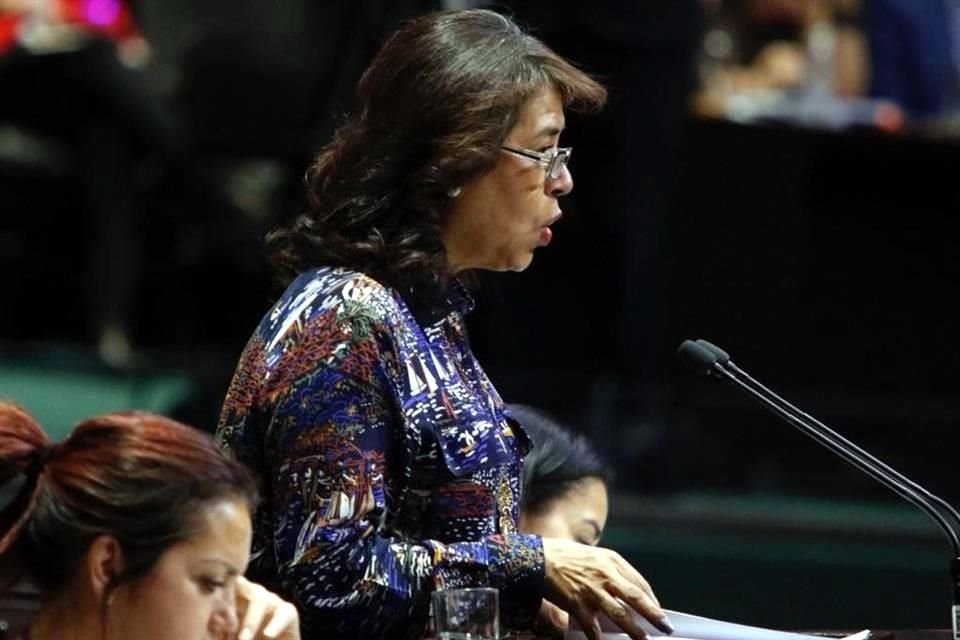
(588, 581)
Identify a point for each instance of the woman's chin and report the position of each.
(517, 262)
(522, 262)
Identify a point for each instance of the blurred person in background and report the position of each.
(563, 487)
(563, 490)
(389, 462)
(49, 25)
(781, 45)
(134, 526)
(915, 54)
(72, 72)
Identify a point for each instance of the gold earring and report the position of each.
(453, 192)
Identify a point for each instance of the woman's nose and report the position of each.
(562, 184)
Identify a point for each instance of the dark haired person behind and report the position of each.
(391, 467)
(563, 491)
(135, 526)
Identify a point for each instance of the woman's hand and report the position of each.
(586, 581)
(264, 615)
(552, 621)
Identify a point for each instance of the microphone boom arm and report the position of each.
(708, 359)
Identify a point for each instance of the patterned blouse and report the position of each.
(390, 468)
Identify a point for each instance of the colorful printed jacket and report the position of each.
(389, 466)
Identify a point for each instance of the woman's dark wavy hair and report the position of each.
(559, 459)
(434, 107)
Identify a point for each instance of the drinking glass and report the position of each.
(467, 614)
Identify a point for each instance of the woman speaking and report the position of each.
(389, 464)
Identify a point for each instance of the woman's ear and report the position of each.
(104, 564)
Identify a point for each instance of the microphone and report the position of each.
(708, 359)
(830, 438)
(717, 363)
(724, 360)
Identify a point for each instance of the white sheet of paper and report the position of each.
(690, 627)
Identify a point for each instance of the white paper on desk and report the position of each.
(690, 627)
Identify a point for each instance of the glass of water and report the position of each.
(467, 614)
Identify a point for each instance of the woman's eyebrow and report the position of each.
(231, 570)
(549, 131)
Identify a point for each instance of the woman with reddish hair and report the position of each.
(135, 526)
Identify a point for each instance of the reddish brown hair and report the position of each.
(138, 477)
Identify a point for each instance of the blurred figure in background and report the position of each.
(915, 54)
(71, 71)
(49, 25)
(563, 487)
(135, 526)
(799, 62)
(781, 45)
(563, 491)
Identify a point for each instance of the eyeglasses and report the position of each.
(553, 161)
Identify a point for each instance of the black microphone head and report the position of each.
(697, 357)
(722, 356)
